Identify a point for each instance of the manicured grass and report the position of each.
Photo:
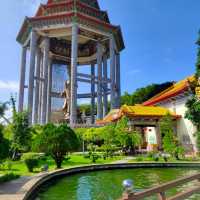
(19, 168)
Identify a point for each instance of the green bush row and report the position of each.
(8, 177)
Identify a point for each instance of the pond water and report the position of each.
(107, 185)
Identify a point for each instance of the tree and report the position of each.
(4, 145)
(127, 138)
(22, 134)
(170, 142)
(3, 109)
(56, 141)
(143, 94)
(193, 103)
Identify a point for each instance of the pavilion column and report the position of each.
(33, 45)
(158, 136)
(22, 79)
(93, 93)
(49, 91)
(74, 58)
(112, 72)
(105, 86)
(37, 87)
(40, 90)
(118, 81)
(99, 84)
(45, 83)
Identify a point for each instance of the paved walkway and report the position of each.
(125, 160)
(15, 190)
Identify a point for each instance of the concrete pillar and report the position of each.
(158, 136)
(99, 85)
(33, 45)
(105, 86)
(49, 91)
(22, 79)
(40, 91)
(118, 81)
(112, 72)
(45, 84)
(37, 85)
(93, 94)
(74, 57)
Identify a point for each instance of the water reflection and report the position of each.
(107, 185)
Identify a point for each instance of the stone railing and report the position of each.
(160, 191)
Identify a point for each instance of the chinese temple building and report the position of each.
(72, 33)
(148, 115)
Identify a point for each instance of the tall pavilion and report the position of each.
(74, 33)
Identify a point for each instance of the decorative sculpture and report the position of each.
(66, 95)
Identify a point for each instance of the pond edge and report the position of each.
(33, 186)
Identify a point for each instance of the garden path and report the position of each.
(125, 160)
(15, 190)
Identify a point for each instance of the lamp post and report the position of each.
(128, 186)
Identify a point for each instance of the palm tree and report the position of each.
(3, 109)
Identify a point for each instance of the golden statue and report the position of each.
(66, 94)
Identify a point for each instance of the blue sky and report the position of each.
(159, 37)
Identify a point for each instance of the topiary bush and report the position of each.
(31, 161)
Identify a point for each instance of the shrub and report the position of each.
(8, 177)
(156, 157)
(9, 165)
(94, 157)
(139, 159)
(31, 161)
(4, 146)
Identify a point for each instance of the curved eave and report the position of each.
(163, 98)
(119, 38)
(23, 30)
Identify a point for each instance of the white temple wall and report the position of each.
(185, 128)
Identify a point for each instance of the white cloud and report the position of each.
(9, 85)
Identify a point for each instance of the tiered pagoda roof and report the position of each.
(59, 14)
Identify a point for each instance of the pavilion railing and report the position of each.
(160, 191)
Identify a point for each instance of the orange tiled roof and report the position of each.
(172, 91)
(136, 111)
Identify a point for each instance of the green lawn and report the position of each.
(18, 167)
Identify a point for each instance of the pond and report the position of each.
(107, 185)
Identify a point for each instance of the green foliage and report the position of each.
(31, 161)
(8, 177)
(21, 132)
(93, 156)
(93, 135)
(4, 145)
(126, 137)
(143, 94)
(171, 144)
(85, 108)
(193, 111)
(193, 104)
(56, 141)
(113, 137)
